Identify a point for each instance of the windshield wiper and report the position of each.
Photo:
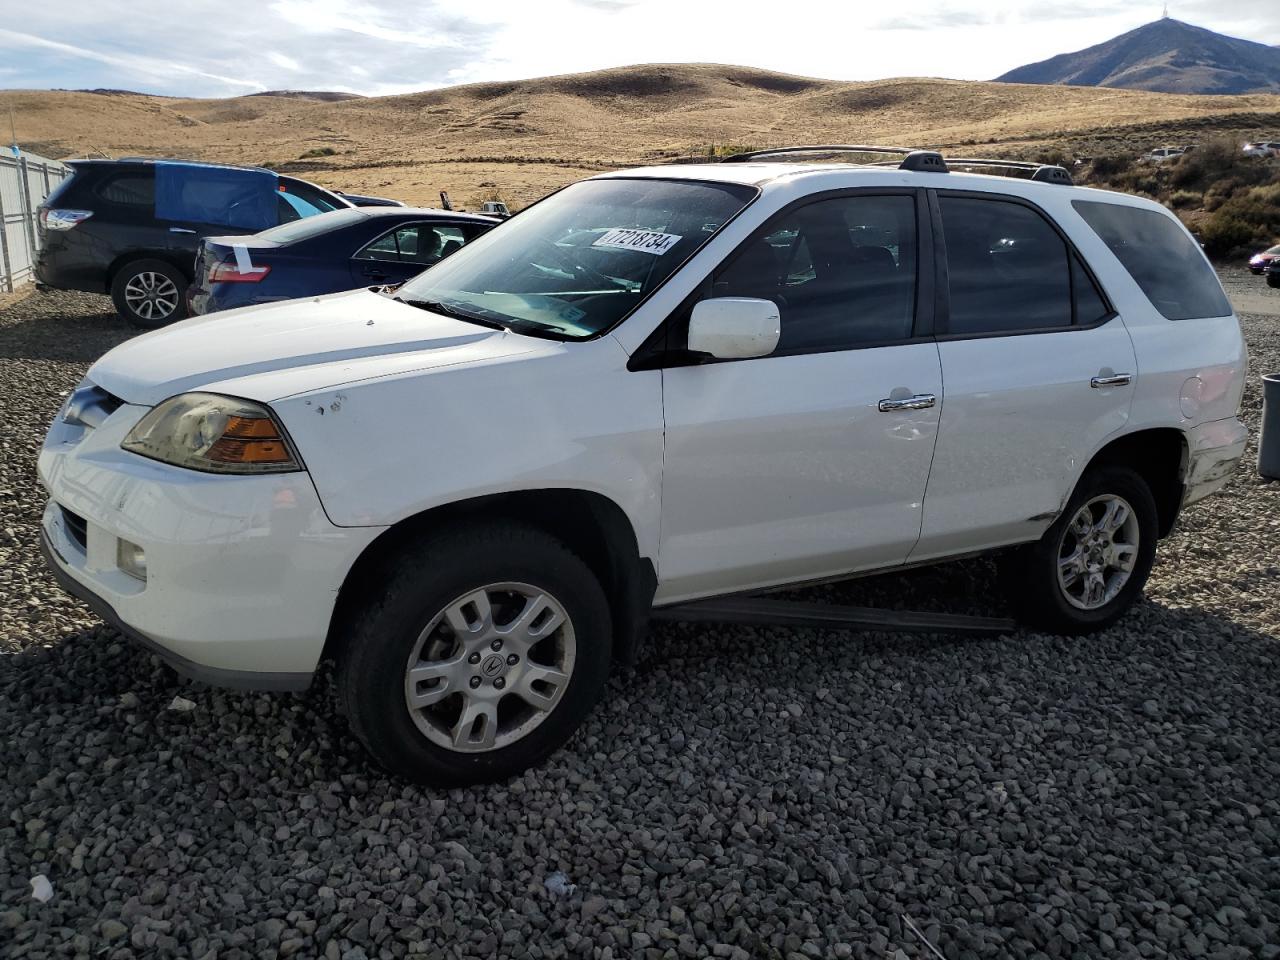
(448, 310)
(486, 319)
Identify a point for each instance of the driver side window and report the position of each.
(841, 271)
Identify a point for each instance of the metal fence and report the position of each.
(24, 182)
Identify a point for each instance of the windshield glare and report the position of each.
(578, 262)
(309, 227)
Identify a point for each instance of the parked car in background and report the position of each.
(362, 247)
(131, 228)
(360, 200)
(1164, 154)
(1261, 148)
(1272, 272)
(654, 386)
(495, 208)
(1258, 262)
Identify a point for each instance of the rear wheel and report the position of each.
(150, 293)
(476, 656)
(1092, 564)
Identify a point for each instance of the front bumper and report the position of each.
(1213, 451)
(242, 572)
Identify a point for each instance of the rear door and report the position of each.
(1038, 368)
(810, 462)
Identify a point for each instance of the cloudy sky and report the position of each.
(214, 48)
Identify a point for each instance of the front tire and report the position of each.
(1091, 565)
(1273, 280)
(476, 655)
(149, 293)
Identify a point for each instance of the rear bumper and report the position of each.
(1213, 451)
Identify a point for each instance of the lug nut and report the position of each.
(499, 683)
(475, 682)
(474, 658)
(496, 645)
(512, 660)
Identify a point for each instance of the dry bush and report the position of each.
(1247, 217)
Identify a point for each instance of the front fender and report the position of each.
(570, 416)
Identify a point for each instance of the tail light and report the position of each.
(62, 219)
(228, 272)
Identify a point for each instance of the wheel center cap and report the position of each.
(493, 665)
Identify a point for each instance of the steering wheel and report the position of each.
(580, 270)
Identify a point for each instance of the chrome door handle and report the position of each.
(921, 401)
(180, 230)
(1116, 380)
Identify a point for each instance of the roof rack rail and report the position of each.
(1040, 172)
(928, 161)
(913, 158)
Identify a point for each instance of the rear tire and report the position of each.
(476, 655)
(1091, 565)
(149, 293)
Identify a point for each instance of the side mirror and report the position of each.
(734, 328)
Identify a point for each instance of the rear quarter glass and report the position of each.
(1160, 256)
(64, 191)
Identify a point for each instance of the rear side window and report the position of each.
(423, 243)
(1162, 259)
(128, 190)
(1010, 271)
(221, 196)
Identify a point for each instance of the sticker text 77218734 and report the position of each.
(646, 241)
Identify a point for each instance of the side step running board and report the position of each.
(798, 613)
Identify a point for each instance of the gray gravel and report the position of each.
(744, 793)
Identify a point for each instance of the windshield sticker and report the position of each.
(646, 241)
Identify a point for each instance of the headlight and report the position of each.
(203, 431)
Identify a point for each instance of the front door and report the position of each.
(811, 462)
(1039, 372)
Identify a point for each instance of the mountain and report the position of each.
(1168, 56)
(522, 138)
(323, 96)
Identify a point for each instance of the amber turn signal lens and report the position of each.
(251, 428)
(229, 450)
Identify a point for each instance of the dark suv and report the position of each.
(132, 228)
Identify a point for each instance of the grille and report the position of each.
(76, 527)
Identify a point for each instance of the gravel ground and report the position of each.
(743, 793)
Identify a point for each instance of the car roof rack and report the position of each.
(925, 161)
(912, 158)
(1040, 172)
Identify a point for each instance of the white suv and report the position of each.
(651, 387)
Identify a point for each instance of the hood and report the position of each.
(275, 350)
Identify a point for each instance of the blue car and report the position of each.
(342, 250)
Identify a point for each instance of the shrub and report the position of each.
(318, 152)
(1109, 166)
(1185, 198)
(1247, 216)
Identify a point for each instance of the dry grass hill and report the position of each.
(523, 138)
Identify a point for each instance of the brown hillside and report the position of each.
(520, 139)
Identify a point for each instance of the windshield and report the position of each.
(580, 261)
(309, 227)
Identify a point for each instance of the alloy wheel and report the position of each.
(1097, 552)
(490, 667)
(150, 295)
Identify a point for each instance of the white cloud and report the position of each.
(391, 46)
(280, 60)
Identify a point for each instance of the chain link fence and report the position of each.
(24, 182)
